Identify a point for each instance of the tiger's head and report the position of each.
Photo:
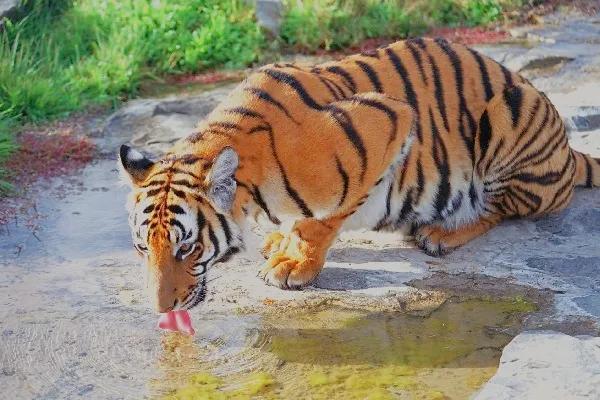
(180, 219)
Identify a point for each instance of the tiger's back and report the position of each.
(421, 134)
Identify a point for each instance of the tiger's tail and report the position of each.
(587, 170)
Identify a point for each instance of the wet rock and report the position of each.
(581, 271)
(590, 304)
(546, 365)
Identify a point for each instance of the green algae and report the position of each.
(336, 353)
(210, 387)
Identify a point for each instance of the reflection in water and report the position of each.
(333, 353)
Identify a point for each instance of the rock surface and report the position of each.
(269, 14)
(7, 8)
(66, 290)
(546, 365)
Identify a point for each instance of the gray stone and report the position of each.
(268, 14)
(591, 304)
(544, 366)
(8, 8)
(155, 124)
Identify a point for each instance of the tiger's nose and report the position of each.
(163, 309)
(165, 302)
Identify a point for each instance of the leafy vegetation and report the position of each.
(334, 24)
(65, 55)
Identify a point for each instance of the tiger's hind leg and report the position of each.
(523, 161)
(523, 155)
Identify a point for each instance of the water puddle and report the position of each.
(337, 353)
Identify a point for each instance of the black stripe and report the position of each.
(178, 193)
(148, 209)
(562, 190)
(258, 199)
(330, 88)
(262, 95)
(153, 192)
(417, 41)
(224, 125)
(288, 187)
(371, 74)
(214, 240)
(513, 98)
(391, 114)
(349, 82)
(546, 179)
(175, 209)
(225, 226)
(259, 128)
(388, 208)
(439, 91)
(183, 182)
(181, 171)
(417, 56)
(201, 223)
(246, 112)
(485, 134)
(485, 77)
(178, 224)
(463, 109)
(345, 180)
(473, 194)
(189, 159)
(411, 96)
(230, 252)
(338, 87)
(406, 208)
(507, 75)
(262, 204)
(153, 183)
(343, 119)
(295, 84)
(420, 181)
(440, 157)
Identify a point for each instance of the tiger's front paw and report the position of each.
(271, 244)
(432, 240)
(290, 263)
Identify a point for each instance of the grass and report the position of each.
(66, 55)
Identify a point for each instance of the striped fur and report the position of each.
(422, 134)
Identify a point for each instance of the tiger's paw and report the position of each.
(434, 241)
(271, 244)
(289, 264)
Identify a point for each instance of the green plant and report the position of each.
(7, 146)
(482, 12)
(65, 55)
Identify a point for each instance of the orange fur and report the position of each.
(421, 133)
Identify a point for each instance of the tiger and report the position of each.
(420, 136)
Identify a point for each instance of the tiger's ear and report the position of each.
(134, 165)
(221, 179)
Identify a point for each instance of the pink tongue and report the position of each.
(176, 321)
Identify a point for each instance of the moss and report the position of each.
(207, 386)
(334, 353)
